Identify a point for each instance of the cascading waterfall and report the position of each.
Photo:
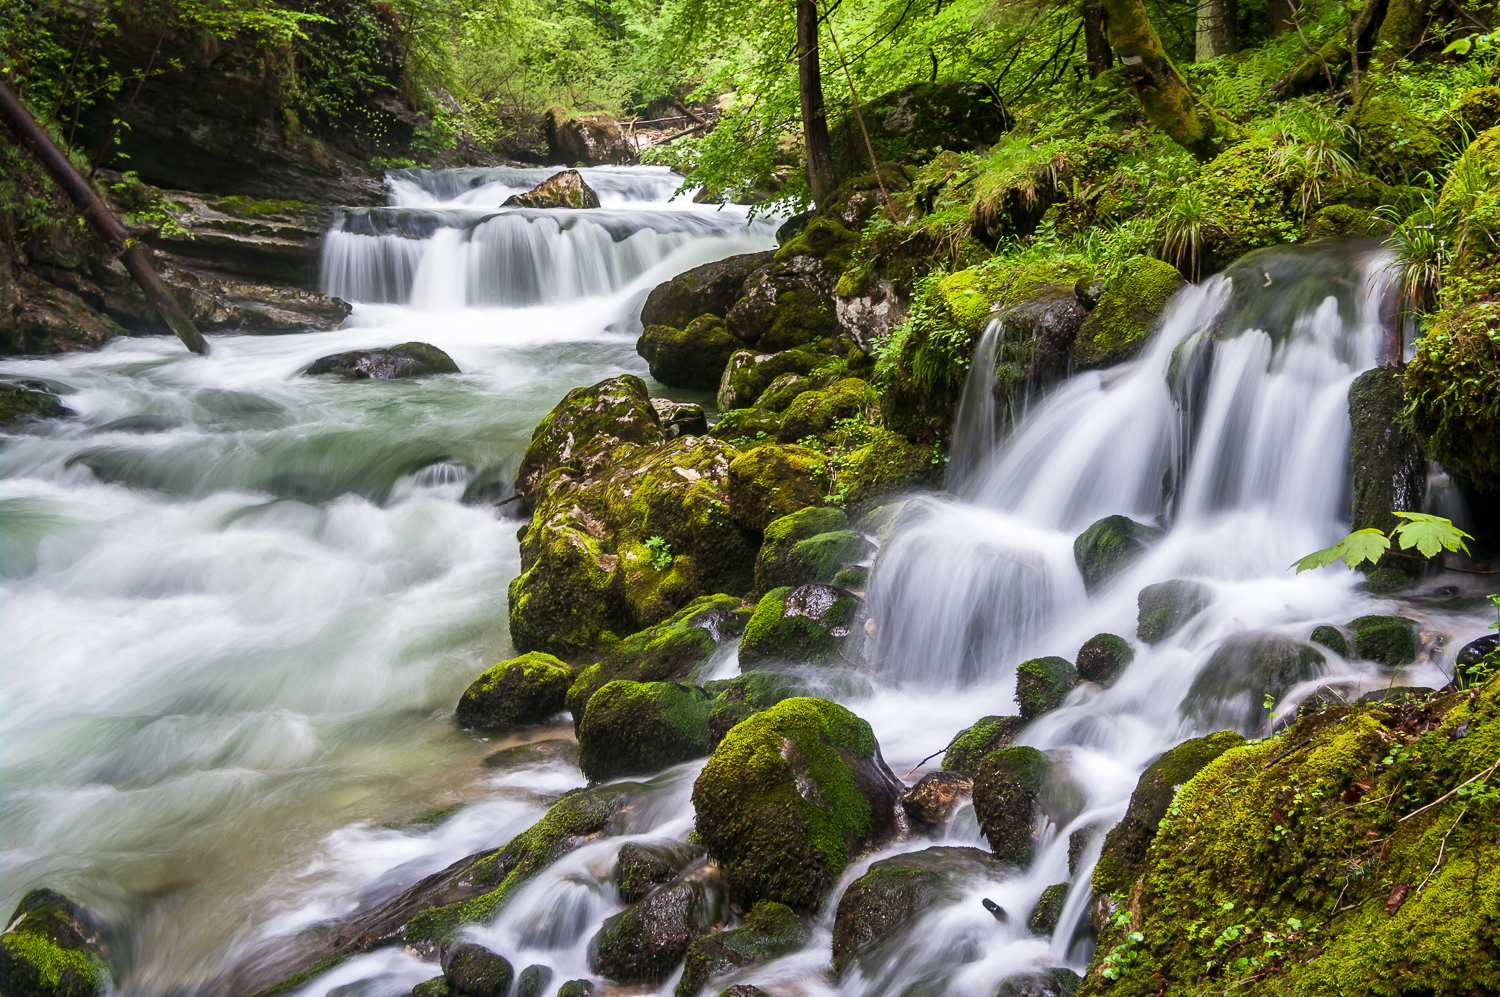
(240, 603)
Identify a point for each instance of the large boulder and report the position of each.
(789, 797)
(769, 482)
(745, 695)
(524, 690)
(586, 139)
(749, 373)
(1246, 670)
(533, 981)
(810, 545)
(51, 948)
(562, 190)
(770, 930)
(787, 305)
(888, 465)
(883, 905)
(1124, 856)
(1042, 684)
(645, 942)
(636, 728)
(45, 318)
(1007, 795)
(1166, 607)
(806, 625)
(1109, 545)
(973, 744)
(391, 363)
(600, 417)
(694, 356)
(711, 289)
(1127, 313)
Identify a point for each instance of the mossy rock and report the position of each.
(770, 482)
(389, 364)
(21, 402)
(1108, 546)
(645, 942)
(1103, 657)
(884, 904)
(51, 948)
(667, 652)
(806, 625)
(1247, 203)
(788, 796)
(856, 579)
(776, 564)
(747, 427)
(524, 690)
(1054, 982)
(748, 374)
(1124, 854)
(815, 412)
(783, 391)
(569, 598)
(739, 698)
(636, 728)
(1166, 607)
(787, 306)
(691, 357)
(435, 987)
(561, 190)
(533, 981)
(1126, 314)
(614, 411)
(1007, 794)
(914, 123)
(640, 866)
(973, 744)
(711, 289)
(933, 799)
(1048, 910)
(770, 930)
(1243, 673)
(577, 988)
(1042, 684)
(823, 239)
(1332, 638)
(1453, 397)
(1386, 640)
(888, 465)
(1390, 470)
(474, 971)
(1397, 144)
(1342, 221)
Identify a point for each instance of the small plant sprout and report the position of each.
(1427, 534)
(661, 553)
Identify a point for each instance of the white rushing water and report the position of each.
(240, 603)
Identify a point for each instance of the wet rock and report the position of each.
(1042, 684)
(1127, 313)
(783, 391)
(552, 750)
(475, 971)
(562, 190)
(586, 139)
(1105, 548)
(1048, 910)
(435, 987)
(743, 990)
(1166, 607)
(1124, 855)
(405, 360)
(1476, 651)
(790, 303)
(1477, 662)
(770, 930)
(1077, 842)
(870, 315)
(577, 988)
(45, 318)
(1232, 688)
(24, 403)
(748, 374)
(1058, 982)
(935, 797)
(711, 289)
(694, 356)
(1103, 657)
(810, 545)
(600, 417)
(806, 625)
(1332, 638)
(886, 901)
(680, 418)
(642, 865)
(770, 482)
(1049, 322)
(645, 942)
(1390, 470)
(636, 728)
(814, 412)
(1007, 794)
(524, 690)
(740, 698)
(973, 744)
(789, 797)
(1386, 640)
(856, 579)
(51, 948)
(533, 981)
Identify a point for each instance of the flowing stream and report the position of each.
(240, 602)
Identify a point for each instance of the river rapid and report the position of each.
(240, 603)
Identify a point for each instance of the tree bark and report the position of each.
(820, 175)
(1100, 56)
(1283, 17)
(1164, 95)
(1215, 34)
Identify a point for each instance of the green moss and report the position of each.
(888, 465)
(823, 239)
(770, 930)
(1343, 220)
(973, 744)
(1332, 638)
(54, 970)
(692, 357)
(1397, 144)
(613, 411)
(783, 391)
(770, 482)
(1103, 657)
(805, 625)
(1388, 640)
(1048, 910)
(1007, 791)
(747, 428)
(635, 728)
(1166, 607)
(777, 564)
(856, 578)
(801, 317)
(435, 987)
(815, 412)
(1126, 314)
(748, 374)
(1453, 392)
(1042, 684)
(1108, 546)
(1246, 203)
(524, 690)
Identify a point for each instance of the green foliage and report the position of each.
(661, 553)
(1427, 534)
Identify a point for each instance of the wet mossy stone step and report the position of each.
(388, 364)
(810, 545)
(52, 948)
(1042, 684)
(636, 728)
(1108, 546)
(1103, 657)
(770, 930)
(474, 971)
(524, 690)
(641, 866)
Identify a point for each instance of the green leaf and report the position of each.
(1353, 550)
(1461, 47)
(1430, 534)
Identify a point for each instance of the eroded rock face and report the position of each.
(564, 190)
(1390, 470)
(51, 948)
(587, 139)
(389, 364)
(50, 319)
(869, 317)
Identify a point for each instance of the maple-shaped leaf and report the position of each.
(1429, 534)
(1355, 549)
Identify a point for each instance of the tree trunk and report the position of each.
(1215, 35)
(1283, 17)
(820, 176)
(1163, 93)
(1400, 32)
(1094, 43)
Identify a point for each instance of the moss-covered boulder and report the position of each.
(790, 303)
(748, 374)
(577, 988)
(1109, 545)
(1127, 313)
(691, 357)
(881, 906)
(1103, 657)
(789, 797)
(534, 981)
(1232, 688)
(1332, 638)
(1398, 144)
(932, 801)
(1453, 393)
(1007, 794)
(916, 122)
(51, 948)
(524, 690)
(810, 545)
(435, 987)
(635, 728)
(740, 698)
(783, 391)
(680, 418)
(391, 363)
(1042, 684)
(600, 417)
(1166, 607)
(1387, 640)
(1054, 982)
(770, 930)
(806, 625)
(711, 289)
(769, 482)
(1048, 910)
(973, 744)
(1240, 201)
(1124, 855)
(22, 402)
(640, 866)
(747, 427)
(815, 412)
(888, 465)
(645, 942)
(474, 971)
